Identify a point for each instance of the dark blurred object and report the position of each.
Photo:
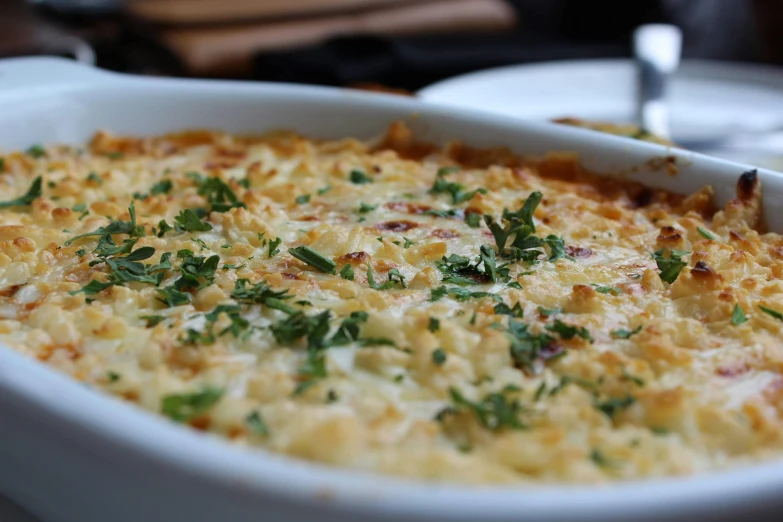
(413, 62)
(86, 8)
(23, 34)
(227, 49)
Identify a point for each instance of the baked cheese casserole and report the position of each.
(440, 313)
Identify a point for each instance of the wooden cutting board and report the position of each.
(188, 12)
(227, 50)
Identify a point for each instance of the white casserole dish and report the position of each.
(71, 455)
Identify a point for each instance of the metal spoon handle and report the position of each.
(657, 49)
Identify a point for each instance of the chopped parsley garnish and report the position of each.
(364, 208)
(347, 272)
(152, 320)
(601, 460)
(566, 331)
(301, 200)
(473, 220)
(113, 376)
(194, 268)
(188, 221)
(218, 194)
(706, 233)
(161, 187)
(408, 243)
(358, 177)
(187, 406)
(607, 290)
(35, 151)
(504, 309)
(256, 424)
(548, 312)
(738, 315)
(622, 333)
(515, 284)
(313, 258)
(395, 277)
(632, 378)
(456, 190)
(94, 177)
(208, 336)
(460, 294)
(114, 155)
(614, 405)
(448, 213)
(494, 412)
(81, 252)
(163, 227)
(2, 165)
(273, 246)
(33, 193)
(526, 347)
(671, 266)
(116, 227)
(434, 324)
(774, 313)
(520, 224)
(459, 270)
(261, 293)
(439, 357)
(324, 190)
(173, 297)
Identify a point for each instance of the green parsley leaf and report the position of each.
(434, 324)
(364, 208)
(439, 357)
(187, 406)
(632, 378)
(527, 348)
(515, 284)
(324, 190)
(494, 412)
(358, 177)
(115, 155)
(273, 246)
(313, 258)
(671, 266)
(706, 233)
(456, 190)
(257, 424)
(738, 315)
(173, 297)
(448, 213)
(94, 177)
(774, 313)
(163, 227)
(438, 293)
(567, 331)
(614, 405)
(347, 272)
(162, 187)
(473, 220)
(33, 193)
(113, 376)
(219, 195)
(601, 460)
(115, 227)
(152, 320)
(622, 333)
(607, 290)
(261, 293)
(301, 200)
(81, 252)
(504, 309)
(547, 312)
(35, 151)
(188, 221)
(408, 243)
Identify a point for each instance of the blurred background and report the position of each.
(399, 44)
(563, 60)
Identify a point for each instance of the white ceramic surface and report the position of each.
(707, 100)
(69, 454)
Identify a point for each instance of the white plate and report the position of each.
(69, 454)
(707, 99)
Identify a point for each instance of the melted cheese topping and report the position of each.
(606, 372)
